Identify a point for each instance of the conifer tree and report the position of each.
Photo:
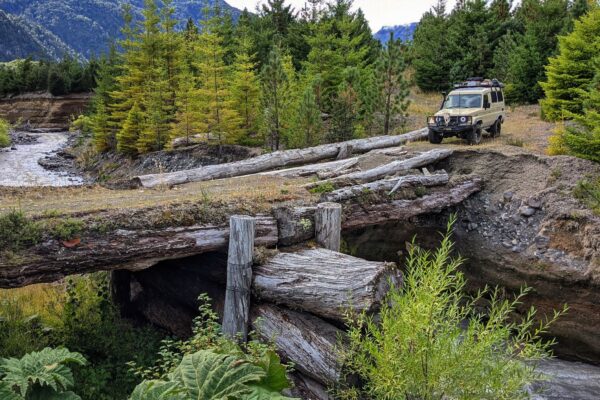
(344, 114)
(394, 88)
(275, 95)
(103, 134)
(570, 73)
(220, 117)
(307, 124)
(245, 90)
(188, 118)
(129, 134)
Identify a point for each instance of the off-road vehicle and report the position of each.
(472, 107)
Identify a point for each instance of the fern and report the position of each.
(206, 375)
(40, 375)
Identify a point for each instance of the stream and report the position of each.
(19, 167)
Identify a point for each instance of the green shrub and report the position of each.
(18, 231)
(588, 191)
(321, 188)
(429, 342)
(64, 229)
(4, 134)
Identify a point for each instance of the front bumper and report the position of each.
(455, 130)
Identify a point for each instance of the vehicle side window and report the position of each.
(500, 96)
(494, 97)
(486, 99)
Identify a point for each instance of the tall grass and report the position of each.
(4, 135)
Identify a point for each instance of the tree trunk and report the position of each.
(307, 341)
(362, 215)
(386, 185)
(392, 168)
(328, 225)
(324, 282)
(132, 250)
(274, 160)
(314, 169)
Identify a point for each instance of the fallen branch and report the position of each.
(390, 185)
(274, 160)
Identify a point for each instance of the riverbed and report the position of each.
(19, 165)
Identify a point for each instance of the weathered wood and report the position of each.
(274, 160)
(328, 225)
(307, 341)
(329, 167)
(324, 282)
(389, 169)
(295, 224)
(386, 185)
(307, 388)
(364, 215)
(133, 250)
(345, 151)
(239, 277)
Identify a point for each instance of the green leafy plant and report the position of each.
(429, 342)
(4, 134)
(588, 191)
(323, 188)
(42, 375)
(18, 231)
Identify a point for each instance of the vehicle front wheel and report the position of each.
(474, 137)
(496, 129)
(435, 137)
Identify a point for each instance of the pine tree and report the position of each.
(133, 126)
(158, 117)
(432, 60)
(275, 97)
(570, 73)
(220, 117)
(307, 123)
(245, 91)
(103, 134)
(394, 88)
(188, 118)
(344, 114)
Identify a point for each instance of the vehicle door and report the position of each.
(488, 110)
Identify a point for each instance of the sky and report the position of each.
(378, 12)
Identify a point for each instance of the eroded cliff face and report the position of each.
(525, 228)
(42, 110)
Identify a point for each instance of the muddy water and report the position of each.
(20, 167)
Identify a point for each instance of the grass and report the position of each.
(4, 135)
(321, 188)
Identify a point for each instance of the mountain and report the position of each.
(402, 32)
(84, 27)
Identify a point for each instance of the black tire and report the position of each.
(496, 129)
(435, 137)
(474, 137)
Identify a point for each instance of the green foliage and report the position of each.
(40, 375)
(429, 342)
(208, 365)
(323, 188)
(572, 71)
(588, 191)
(4, 133)
(17, 231)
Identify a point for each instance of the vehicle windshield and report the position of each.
(463, 101)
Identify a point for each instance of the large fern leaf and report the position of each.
(209, 376)
(7, 393)
(263, 393)
(45, 368)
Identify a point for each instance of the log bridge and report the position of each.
(299, 296)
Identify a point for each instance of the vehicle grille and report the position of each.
(453, 121)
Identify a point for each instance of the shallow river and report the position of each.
(20, 167)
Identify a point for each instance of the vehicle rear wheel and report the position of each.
(435, 137)
(496, 129)
(474, 137)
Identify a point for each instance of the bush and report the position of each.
(18, 231)
(588, 191)
(4, 134)
(430, 343)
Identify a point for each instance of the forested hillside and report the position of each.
(401, 32)
(85, 28)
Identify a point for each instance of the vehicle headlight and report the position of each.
(431, 120)
(465, 120)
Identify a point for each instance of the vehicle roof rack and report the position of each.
(479, 82)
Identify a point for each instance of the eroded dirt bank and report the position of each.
(525, 228)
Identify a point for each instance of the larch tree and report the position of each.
(127, 137)
(394, 88)
(220, 117)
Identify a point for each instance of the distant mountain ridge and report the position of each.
(402, 32)
(52, 28)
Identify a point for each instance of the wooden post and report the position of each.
(328, 225)
(239, 276)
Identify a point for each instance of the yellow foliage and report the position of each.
(556, 142)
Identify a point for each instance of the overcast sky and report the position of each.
(378, 12)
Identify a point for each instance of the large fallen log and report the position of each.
(324, 282)
(133, 250)
(387, 185)
(307, 341)
(362, 215)
(382, 171)
(274, 160)
(331, 167)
